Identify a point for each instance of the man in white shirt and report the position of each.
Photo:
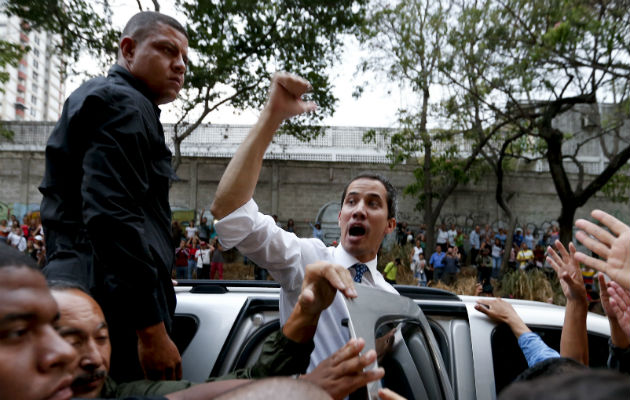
(367, 215)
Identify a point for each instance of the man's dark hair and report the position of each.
(389, 188)
(10, 257)
(60, 285)
(141, 24)
(584, 384)
(550, 366)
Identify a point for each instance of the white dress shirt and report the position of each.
(285, 256)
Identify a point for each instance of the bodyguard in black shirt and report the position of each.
(105, 209)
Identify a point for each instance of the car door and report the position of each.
(399, 331)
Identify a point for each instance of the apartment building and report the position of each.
(35, 90)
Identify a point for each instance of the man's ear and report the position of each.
(339, 219)
(391, 225)
(127, 48)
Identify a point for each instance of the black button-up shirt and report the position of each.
(105, 208)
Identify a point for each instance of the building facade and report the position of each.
(35, 89)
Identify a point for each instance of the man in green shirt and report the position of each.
(391, 270)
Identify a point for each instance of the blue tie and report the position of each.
(360, 270)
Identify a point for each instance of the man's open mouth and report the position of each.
(356, 230)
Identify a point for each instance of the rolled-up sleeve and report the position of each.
(259, 238)
(534, 349)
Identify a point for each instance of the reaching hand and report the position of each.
(619, 301)
(342, 373)
(285, 97)
(320, 284)
(568, 271)
(158, 354)
(613, 248)
(502, 311)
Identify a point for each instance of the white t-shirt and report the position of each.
(285, 256)
(442, 236)
(190, 232)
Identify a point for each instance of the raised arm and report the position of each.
(239, 179)
(574, 339)
(613, 247)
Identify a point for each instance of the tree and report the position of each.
(238, 44)
(234, 48)
(410, 43)
(555, 57)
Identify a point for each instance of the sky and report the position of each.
(376, 107)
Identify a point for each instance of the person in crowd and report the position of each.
(191, 230)
(5, 229)
(391, 270)
(193, 247)
(437, 263)
(16, 239)
(442, 237)
(286, 352)
(539, 256)
(317, 231)
(181, 260)
(216, 260)
(451, 265)
(203, 230)
(452, 234)
(414, 256)
(525, 257)
(177, 233)
(290, 226)
(420, 272)
(555, 234)
(459, 243)
(203, 261)
(502, 236)
(497, 257)
(529, 239)
(367, 215)
(475, 244)
(517, 237)
(484, 265)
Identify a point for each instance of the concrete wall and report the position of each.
(299, 189)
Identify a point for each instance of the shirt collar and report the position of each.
(118, 71)
(342, 257)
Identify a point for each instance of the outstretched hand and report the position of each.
(613, 247)
(502, 311)
(285, 97)
(619, 303)
(320, 284)
(568, 270)
(342, 373)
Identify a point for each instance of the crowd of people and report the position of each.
(483, 248)
(27, 237)
(97, 321)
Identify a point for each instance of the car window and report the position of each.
(398, 330)
(508, 359)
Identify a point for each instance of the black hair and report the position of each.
(139, 26)
(389, 188)
(550, 366)
(584, 384)
(61, 285)
(10, 257)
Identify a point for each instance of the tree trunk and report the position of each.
(567, 215)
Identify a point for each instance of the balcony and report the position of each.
(23, 38)
(20, 104)
(21, 88)
(22, 75)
